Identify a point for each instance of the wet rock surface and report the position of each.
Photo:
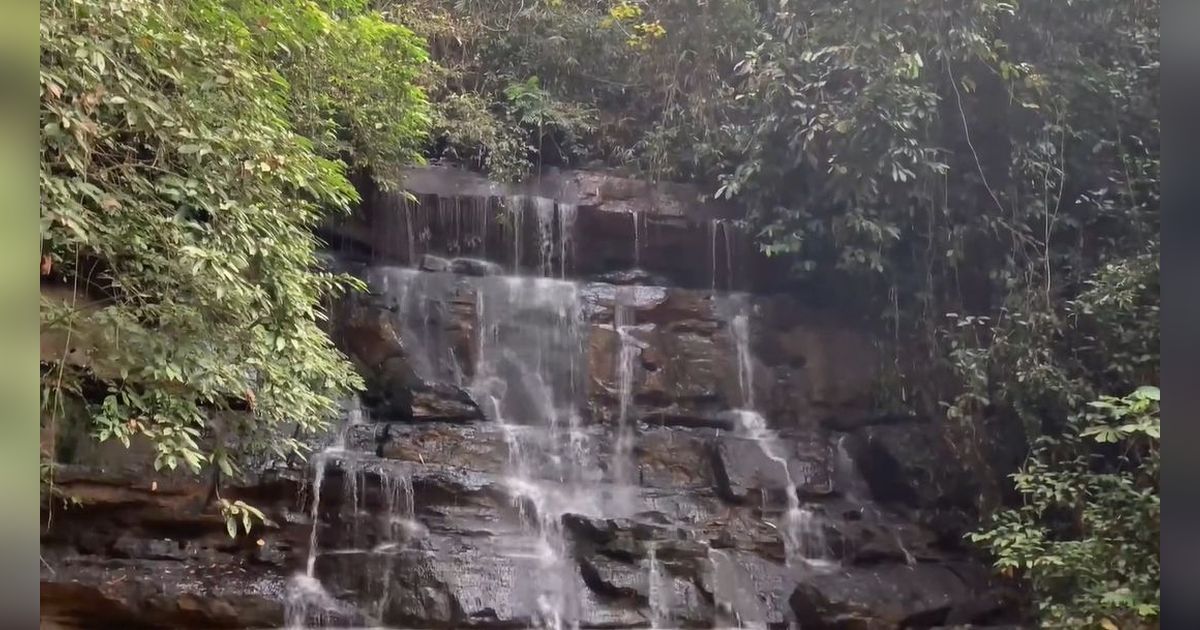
(574, 224)
(715, 560)
(614, 452)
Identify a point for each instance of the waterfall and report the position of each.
(529, 368)
(518, 346)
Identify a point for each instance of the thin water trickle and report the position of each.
(712, 252)
(728, 256)
(854, 488)
(848, 479)
(799, 528)
(409, 208)
(745, 359)
(627, 351)
(320, 462)
(637, 240)
(734, 597)
(658, 597)
(566, 236)
(544, 210)
(803, 533)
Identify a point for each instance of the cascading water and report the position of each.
(804, 540)
(307, 601)
(803, 535)
(526, 371)
(529, 367)
(555, 223)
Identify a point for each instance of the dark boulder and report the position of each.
(911, 464)
(885, 596)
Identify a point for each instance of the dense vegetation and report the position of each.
(187, 152)
(979, 176)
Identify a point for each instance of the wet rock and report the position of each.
(475, 267)
(869, 543)
(669, 458)
(683, 509)
(693, 418)
(910, 464)
(479, 447)
(885, 596)
(430, 262)
(665, 591)
(748, 588)
(83, 593)
(128, 546)
(632, 277)
(614, 579)
(461, 580)
(744, 472)
(850, 423)
(740, 528)
(405, 382)
(622, 539)
(434, 402)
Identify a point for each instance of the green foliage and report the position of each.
(1086, 537)
(240, 513)
(473, 135)
(187, 152)
(352, 77)
(538, 112)
(635, 84)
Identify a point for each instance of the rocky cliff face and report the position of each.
(570, 421)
